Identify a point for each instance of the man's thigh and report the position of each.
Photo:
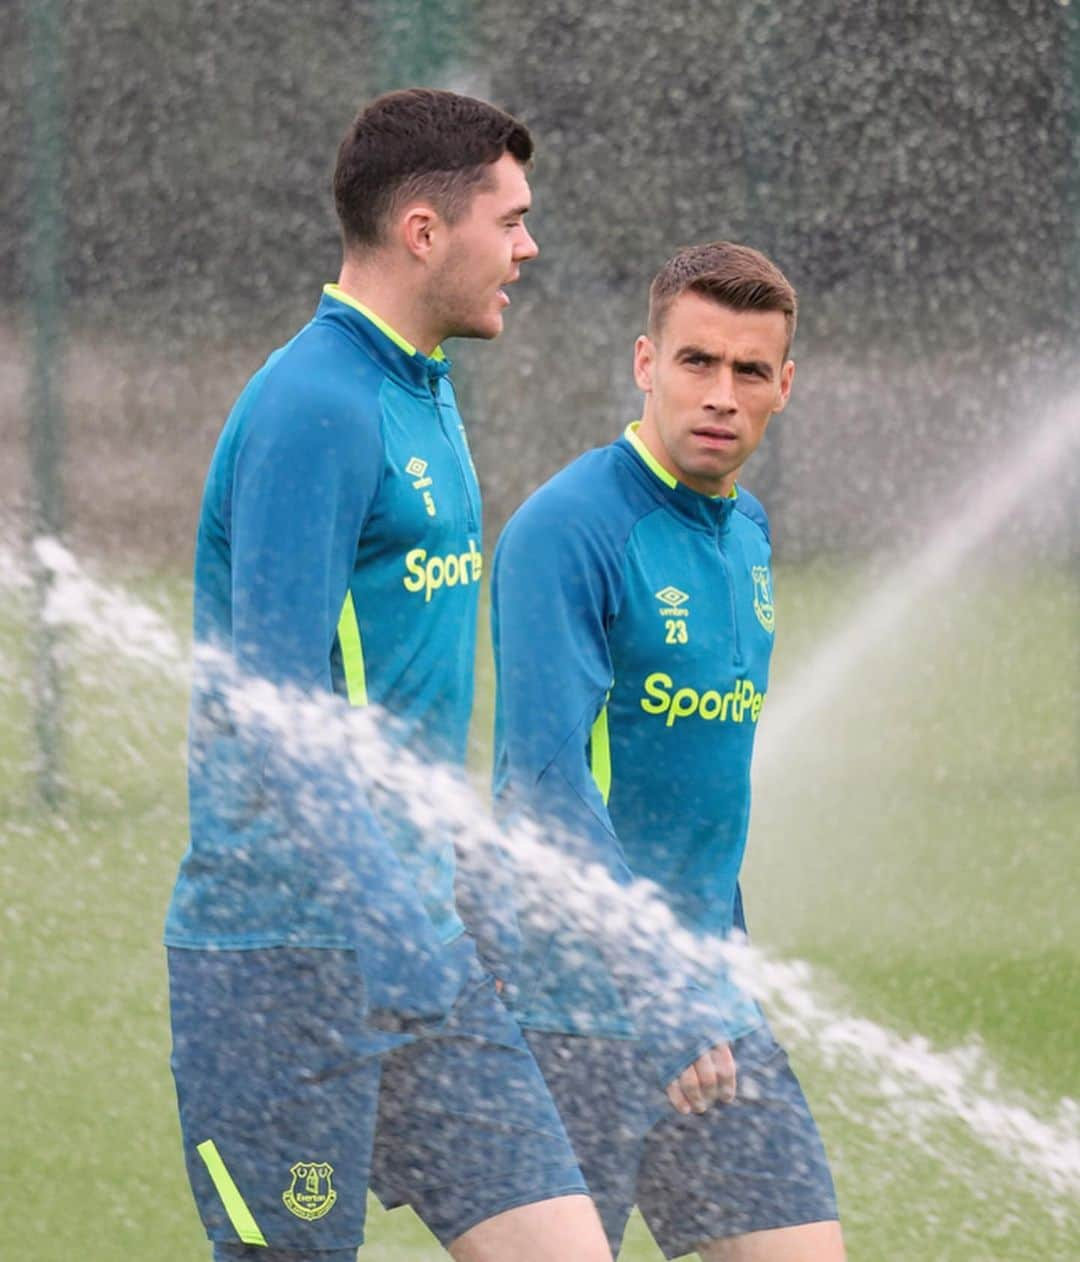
(754, 1166)
(277, 1081)
(467, 1129)
(608, 1105)
(554, 1230)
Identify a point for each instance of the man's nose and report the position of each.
(721, 395)
(525, 247)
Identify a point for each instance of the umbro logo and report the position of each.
(416, 469)
(675, 614)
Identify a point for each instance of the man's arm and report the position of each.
(556, 587)
(307, 469)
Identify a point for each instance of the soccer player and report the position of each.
(333, 1028)
(633, 622)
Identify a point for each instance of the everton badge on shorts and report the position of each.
(311, 1195)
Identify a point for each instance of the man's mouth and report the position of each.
(718, 434)
(502, 291)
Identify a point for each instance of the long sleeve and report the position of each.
(305, 475)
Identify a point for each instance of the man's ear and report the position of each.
(644, 359)
(418, 226)
(787, 376)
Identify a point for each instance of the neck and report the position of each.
(379, 285)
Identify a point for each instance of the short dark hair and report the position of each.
(419, 142)
(735, 276)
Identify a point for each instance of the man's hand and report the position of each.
(710, 1078)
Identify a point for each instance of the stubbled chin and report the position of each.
(712, 465)
(490, 328)
(484, 327)
(710, 458)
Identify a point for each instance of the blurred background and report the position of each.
(166, 220)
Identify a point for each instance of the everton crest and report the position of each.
(763, 602)
(311, 1194)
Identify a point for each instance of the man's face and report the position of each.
(482, 253)
(712, 380)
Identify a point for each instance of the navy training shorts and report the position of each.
(752, 1165)
(291, 1107)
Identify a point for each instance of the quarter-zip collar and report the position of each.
(703, 512)
(393, 353)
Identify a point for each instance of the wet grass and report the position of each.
(918, 845)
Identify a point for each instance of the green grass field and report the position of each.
(917, 843)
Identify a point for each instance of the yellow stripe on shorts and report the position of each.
(239, 1215)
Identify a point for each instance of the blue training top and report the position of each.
(338, 556)
(633, 626)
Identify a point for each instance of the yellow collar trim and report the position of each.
(335, 291)
(669, 479)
